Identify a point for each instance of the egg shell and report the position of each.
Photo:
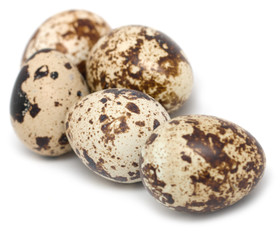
(200, 163)
(107, 129)
(71, 32)
(46, 87)
(144, 59)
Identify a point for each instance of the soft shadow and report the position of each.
(185, 216)
(78, 169)
(72, 164)
(190, 106)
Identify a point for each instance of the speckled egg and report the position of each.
(47, 85)
(200, 163)
(107, 129)
(141, 58)
(71, 32)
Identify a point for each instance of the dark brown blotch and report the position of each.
(168, 65)
(82, 69)
(57, 104)
(156, 124)
(206, 179)
(186, 158)
(63, 139)
(19, 103)
(103, 117)
(123, 127)
(34, 110)
(176, 122)
(54, 75)
(43, 143)
(41, 72)
(133, 107)
(209, 147)
(103, 100)
(244, 183)
(135, 164)
(85, 28)
(150, 173)
(121, 179)
(151, 139)
(136, 175)
(140, 123)
(167, 198)
(67, 66)
(91, 164)
(61, 48)
(79, 93)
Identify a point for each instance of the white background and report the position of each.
(234, 50)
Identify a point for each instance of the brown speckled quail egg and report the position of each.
(71, 32)
(141, 58)
(107, 129)
(46, 87)
(200, 163)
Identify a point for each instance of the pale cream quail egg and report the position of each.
(46, 87)
(144, 59)
(107, 129)
(72, 32)
(201, 163)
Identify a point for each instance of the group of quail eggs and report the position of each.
(107, 94)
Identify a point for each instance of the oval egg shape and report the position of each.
(141, 58)
(46, 87)
(200, 163)
(72, 32)
(107, 129)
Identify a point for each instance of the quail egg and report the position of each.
(47, 85)
(71, 32)
(107, 129)
(141, 58)
(200, 163)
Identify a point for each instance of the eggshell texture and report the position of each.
(141, 58)
(47, 85)
(71, 32)
(200, 163)
(107, 129)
